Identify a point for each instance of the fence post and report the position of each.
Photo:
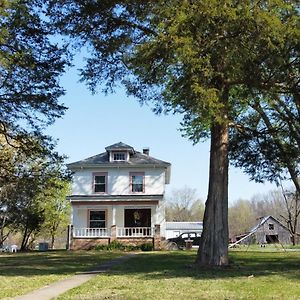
(113, 233)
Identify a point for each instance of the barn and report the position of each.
(267, 231)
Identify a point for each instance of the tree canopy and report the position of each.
(267, 143)
(27, 184)
(30, 67)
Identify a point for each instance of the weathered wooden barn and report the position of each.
(267, 231)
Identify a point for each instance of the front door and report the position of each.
(137, 217)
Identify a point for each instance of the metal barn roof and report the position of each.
(184, 225)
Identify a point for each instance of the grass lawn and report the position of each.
(171, 275)
(24, 272)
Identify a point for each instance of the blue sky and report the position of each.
(94, 122)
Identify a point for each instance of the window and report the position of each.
(97, 218)
(99, 182)
(137, 182)
(119, 156)
(271, 226)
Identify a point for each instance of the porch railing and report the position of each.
(91, 232)
(130, 232)
(135, 232)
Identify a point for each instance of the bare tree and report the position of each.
(291, 214)
(241, 217)
(183, 205)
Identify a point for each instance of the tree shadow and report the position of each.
(51, 262)
(242, 264)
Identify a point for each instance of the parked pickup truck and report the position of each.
(182, 239)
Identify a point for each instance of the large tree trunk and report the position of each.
(213, 250)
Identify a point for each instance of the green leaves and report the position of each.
(30, 67)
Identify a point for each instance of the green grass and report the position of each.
(21, 273)
(172, 275)
(259, 274)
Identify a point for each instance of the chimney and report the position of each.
(146, 151)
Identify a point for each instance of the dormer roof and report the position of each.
(119, 147)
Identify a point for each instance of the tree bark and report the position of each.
(213, 249)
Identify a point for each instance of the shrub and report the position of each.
(116, 245)
(146, 247)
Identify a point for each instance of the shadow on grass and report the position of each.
(181, 264)
(154, 265)
(51, 262)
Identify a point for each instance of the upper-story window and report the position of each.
(137, 182)
(99, 182)
(119, 156)
(271, 226)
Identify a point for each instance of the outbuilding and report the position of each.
(174, 229)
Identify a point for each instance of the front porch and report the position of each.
(129, 222)
(88, 238)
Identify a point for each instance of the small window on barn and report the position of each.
(271, 226)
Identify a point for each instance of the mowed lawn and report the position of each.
(156, 275)
(171, 275)
(21, 273)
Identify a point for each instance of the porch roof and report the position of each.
(114, 198)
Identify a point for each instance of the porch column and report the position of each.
(114, 215)
(69, 245)
(113, 229)
(113, 233)
(157, 238)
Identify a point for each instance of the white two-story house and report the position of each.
(118, 195)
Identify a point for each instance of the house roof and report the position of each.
(184, 225)
(119, 146)
(136, 159)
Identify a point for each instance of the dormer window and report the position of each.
(119, 156)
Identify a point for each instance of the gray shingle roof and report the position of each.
(136, 159)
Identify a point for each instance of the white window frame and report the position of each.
(142, 174)
(119, 156)
(104, 174)
(89, 217)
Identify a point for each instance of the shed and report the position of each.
(174, 229)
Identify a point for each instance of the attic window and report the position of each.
(119, 156)
(271, 226)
